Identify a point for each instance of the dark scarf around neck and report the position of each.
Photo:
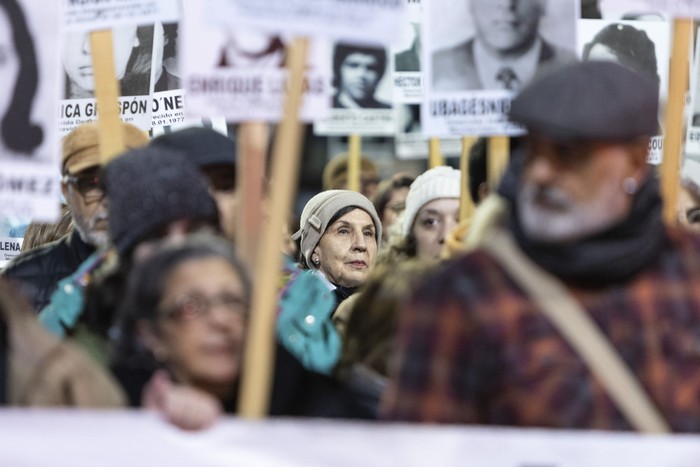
(614, 255)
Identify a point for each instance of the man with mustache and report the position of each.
(38, 271)
(582, 215)
(505, 53)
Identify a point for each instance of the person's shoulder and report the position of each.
(464, 277)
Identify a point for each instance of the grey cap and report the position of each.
(319, 211)
(589, 100)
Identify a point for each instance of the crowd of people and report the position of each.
(391, 307)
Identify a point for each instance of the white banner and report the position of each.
(359, 20)
(29, 65)
(76, 438)
(105, 14)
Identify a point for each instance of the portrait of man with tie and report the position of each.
(505, 52)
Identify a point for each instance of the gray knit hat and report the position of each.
(438, 182)
(319, 211)
(150, 187)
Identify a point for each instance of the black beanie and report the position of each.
(150, 187)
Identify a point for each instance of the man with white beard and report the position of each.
(38, 271)
(477, 343)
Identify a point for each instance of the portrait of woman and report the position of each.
(18, 68)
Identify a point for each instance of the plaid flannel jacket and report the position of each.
(474, 349)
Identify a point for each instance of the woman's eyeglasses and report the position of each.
(191, 307)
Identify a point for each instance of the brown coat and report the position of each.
(44, 371)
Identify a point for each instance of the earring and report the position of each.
(629, 185)
(316, 261)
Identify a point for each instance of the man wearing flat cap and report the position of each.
(38, 271)
(582, 228)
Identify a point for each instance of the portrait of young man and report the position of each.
(505, 52)
(357, 72)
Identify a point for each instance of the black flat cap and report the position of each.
(203, 146)
(589, 100)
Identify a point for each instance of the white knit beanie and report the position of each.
(438, 182)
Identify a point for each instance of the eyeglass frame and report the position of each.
(176, 314)
(72, 180)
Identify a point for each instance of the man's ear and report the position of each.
(639, 153)
(64, 190)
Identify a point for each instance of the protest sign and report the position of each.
(86, 15)
(360, 20)
(407, 78)
(643, 46)
(650, 8)
(239, 72)
(361, 102)
(168, 95)
(470, 77)
(133, 55)
(29, 182)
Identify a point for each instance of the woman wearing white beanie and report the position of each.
(432, 211)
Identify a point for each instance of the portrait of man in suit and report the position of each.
(506, 51)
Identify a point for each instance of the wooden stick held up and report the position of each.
(256, 379)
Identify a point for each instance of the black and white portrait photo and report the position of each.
(358, 71)
(409, 59)
(508, 42)
(165, 62)
(133, 53)
(19, 76)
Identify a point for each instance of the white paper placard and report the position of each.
(464, 96)
(240, 72)
(133, 62)
(356, 20)
(105, 14)
(677, 8)
(644, 46)
(29, 175)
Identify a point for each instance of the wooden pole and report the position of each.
(251, 141)
(256, 378)
(497, 157)
(106, 94)
(435, 158)
(673, 126)
(466, 205)
(354, 162)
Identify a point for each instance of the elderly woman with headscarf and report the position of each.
(340, 234)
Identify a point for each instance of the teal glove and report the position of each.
(67, 301)
(304, 325)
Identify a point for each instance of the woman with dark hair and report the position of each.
(626, 45)
(18, 66)
(357, 71)
(185, 312)
(390, 200)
